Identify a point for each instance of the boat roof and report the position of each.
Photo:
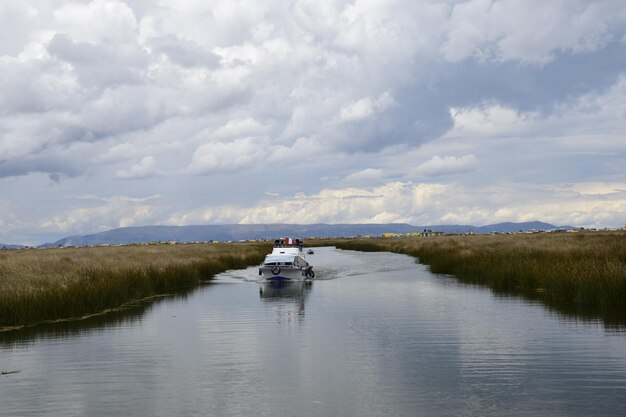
(286, 251)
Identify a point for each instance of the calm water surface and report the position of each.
(375, 335)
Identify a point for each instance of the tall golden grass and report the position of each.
(581, 268)
(41, 285)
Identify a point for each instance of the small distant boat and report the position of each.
(310, 252)
(286, 262)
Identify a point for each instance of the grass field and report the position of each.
(586, 269)
(42, 285)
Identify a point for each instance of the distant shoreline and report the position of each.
(250, 232)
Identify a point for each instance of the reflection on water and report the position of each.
(68, 329)
(613, 317)
(287, 297)
(375, 334)
(130, 315)
(281, 290)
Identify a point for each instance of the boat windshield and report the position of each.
(278, 260)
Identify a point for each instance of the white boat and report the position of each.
(286, 262)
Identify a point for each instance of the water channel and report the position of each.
(374, 335)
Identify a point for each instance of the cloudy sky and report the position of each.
(142, 112)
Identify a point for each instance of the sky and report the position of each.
(143, 112)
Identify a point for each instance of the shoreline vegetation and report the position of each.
(73, 283)
(578, 273)
(574, 272)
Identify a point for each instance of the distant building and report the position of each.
(428, 232)
(390, 234)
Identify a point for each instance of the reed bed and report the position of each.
(583, 268)
(44, 285)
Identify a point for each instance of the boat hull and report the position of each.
(284, 274)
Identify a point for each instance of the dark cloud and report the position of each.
(531, 86)
(422, 111)
(57, 167)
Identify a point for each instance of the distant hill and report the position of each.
(516, 227)
(235, 232)
(11, 246)
(507, 227)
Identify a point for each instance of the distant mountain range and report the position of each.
(235, 232)
(10, 246)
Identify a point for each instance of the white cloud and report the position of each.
(594, 188)
(429, 204)
(118, 152)
(98, 214)
(212, 215)
(97, 21)
(144, 169)
(229, 156)
(593, 121)
(238, 128)
(489, 121)
(16, 24)
(365, 175)
(366, 107)
(447, 165)
(391, 202)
